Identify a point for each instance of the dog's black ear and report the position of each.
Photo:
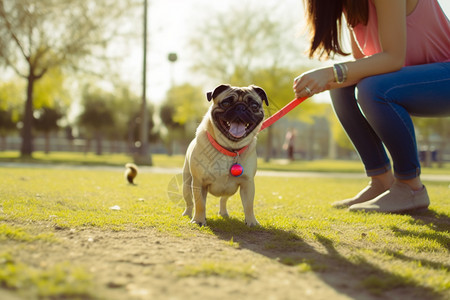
(209, 96)
(218, 90)
(261, 93)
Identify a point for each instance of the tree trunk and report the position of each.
(3, 143)
(443, 143)
(98, 137)
(170, 146)
(428, 157)
(311, 140)
(47, 142)
(26, 149)
(87, 146)
(268, 155)
(332, 145)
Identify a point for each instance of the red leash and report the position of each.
(279, 114)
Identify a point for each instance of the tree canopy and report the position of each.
(38, 36)
(231, 45)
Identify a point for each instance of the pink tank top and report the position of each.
(427, 34)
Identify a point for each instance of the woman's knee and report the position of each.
(370, 90)
(343, 94)
(342, 99)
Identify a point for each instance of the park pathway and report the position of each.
(163, 170)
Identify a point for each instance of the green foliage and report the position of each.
(51, 91)
(189, 103)
(12, 96)
(277, 82)
(46, 119)
(427, 126)
(7, 123)
(98, 113)
(127, 110)
(167, 114)
(181, 112)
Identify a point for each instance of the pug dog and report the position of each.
(222, 156)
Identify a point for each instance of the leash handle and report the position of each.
(279, 114)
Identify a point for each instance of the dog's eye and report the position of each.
(226, 102)
(254, 105)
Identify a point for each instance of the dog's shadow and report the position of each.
(347, 276)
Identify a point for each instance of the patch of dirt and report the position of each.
(146, 264)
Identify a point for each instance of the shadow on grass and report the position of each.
(438, 223)
(352, 275)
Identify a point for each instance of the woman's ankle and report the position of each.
(415, 184)
(385, 179)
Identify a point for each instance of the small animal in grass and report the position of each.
(222, 156)
(131, 171)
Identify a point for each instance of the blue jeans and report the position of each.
(380, 113)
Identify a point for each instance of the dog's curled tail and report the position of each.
(131, 172)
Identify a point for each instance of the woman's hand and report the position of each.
(313, 82)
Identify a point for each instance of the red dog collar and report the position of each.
(222, 149)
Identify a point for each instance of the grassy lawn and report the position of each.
(383, 252)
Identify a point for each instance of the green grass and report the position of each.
(49, 195)
(299, 229)
(8, 232)
(59, 280)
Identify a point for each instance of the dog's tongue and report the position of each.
(237, 129)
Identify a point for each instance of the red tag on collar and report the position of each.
(236, 170)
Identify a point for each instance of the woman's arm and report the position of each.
(357, 54)
(392, 34)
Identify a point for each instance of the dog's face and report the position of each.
(237, 111)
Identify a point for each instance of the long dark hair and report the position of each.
(325, 20)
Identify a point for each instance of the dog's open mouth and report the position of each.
(237, 129)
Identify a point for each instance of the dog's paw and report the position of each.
(187, 212)
(199, 223)
(224, 214)
(252, 223)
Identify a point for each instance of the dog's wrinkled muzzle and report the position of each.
(237, 122)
